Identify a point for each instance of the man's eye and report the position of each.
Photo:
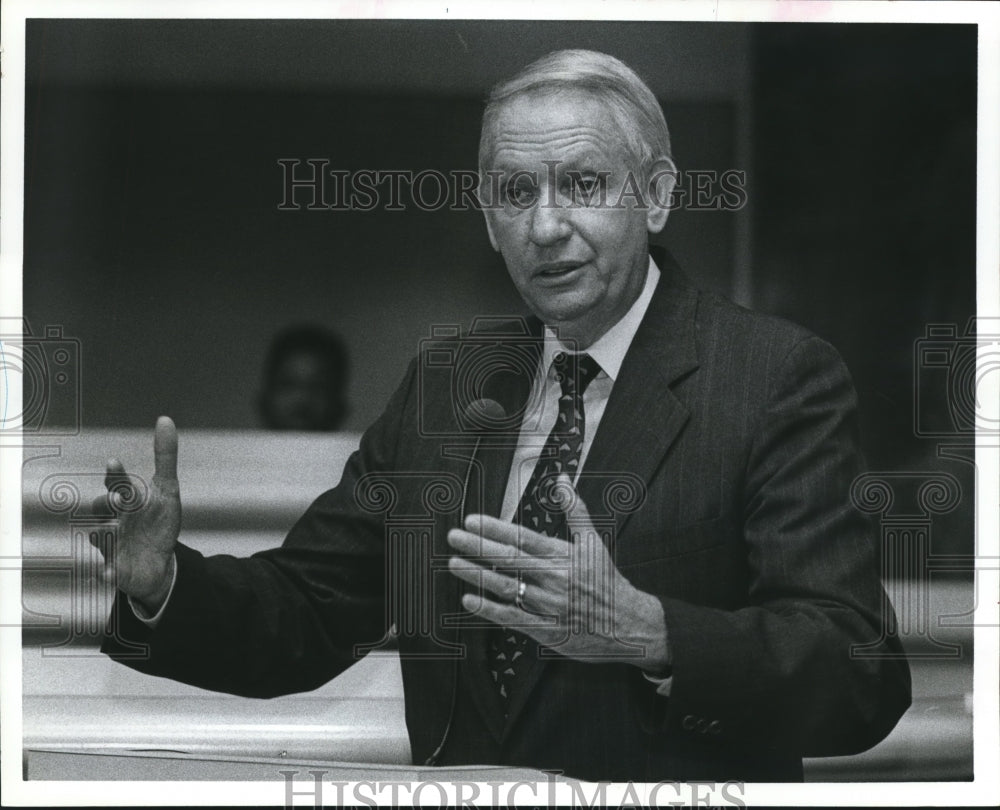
(521, 194)
(586, 187)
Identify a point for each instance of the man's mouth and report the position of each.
(557, 271)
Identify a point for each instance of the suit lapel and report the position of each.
(643, 416)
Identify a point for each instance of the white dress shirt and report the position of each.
(543, 402)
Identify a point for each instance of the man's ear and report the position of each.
(662, 180)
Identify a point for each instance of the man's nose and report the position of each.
(549, 223)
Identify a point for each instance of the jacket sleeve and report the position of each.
(806, 666)
(284, 620)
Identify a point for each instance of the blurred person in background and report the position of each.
(305, 380)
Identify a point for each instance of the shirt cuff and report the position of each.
(663, 685)
(142, 614)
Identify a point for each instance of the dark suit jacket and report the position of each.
(721, 472)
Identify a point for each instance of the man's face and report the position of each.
(300, 394)
(579, 266)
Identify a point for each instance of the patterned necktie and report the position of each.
(537, 510)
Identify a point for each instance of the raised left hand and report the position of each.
(573, 598)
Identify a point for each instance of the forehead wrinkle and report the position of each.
(553, 136)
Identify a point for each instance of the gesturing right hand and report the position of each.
(140, 559)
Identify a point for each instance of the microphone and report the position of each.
(485, 415)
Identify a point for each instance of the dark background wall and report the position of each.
(864, 230)
(865, 159)
(153, 234)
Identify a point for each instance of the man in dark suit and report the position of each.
(616, 539)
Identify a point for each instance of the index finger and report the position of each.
(513, 534)
(165, 449)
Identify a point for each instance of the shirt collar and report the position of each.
(610, 349)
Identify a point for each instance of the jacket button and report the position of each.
(689, 722)
(702, 725)
(714, 727)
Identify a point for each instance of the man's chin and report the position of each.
(570, 324)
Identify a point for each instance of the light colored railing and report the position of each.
(241, 492)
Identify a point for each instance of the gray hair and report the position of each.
(607, 79)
